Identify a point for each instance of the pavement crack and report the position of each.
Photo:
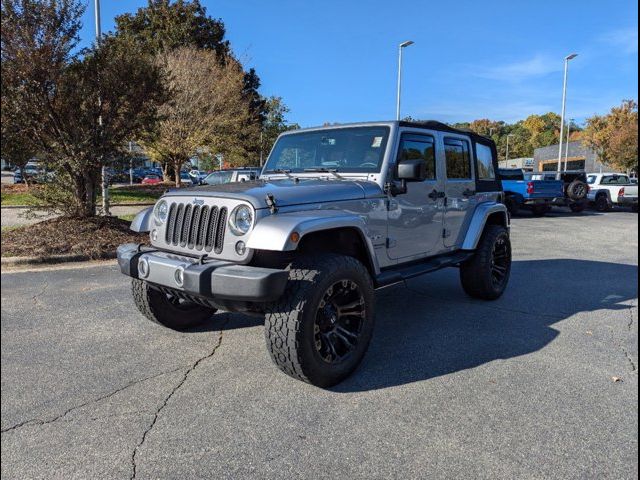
(174, 390)
(36, 297)
(40, 422)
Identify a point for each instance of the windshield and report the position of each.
(351, 149)
(218, 178)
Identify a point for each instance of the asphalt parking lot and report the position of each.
(523, 387)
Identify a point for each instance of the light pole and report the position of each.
(400, 47)
(507, 154)
(566, 148)
(564, 102)
(105, 181)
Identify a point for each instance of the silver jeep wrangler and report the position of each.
(336, 213)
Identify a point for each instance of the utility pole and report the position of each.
(105, 179)
(507, 155)
(130, 162)
(399, 87)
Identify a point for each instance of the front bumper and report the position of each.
(213, 279)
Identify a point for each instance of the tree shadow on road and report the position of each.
(431, 328)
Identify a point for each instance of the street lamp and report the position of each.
(566, 148)
(564, 102)
(400, 47)
(507, 154)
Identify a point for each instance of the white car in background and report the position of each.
(604, 189)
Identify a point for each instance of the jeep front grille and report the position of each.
(196, 227)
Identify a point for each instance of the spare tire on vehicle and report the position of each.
(577, 190)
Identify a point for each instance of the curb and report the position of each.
(51, 259)
(40, 207)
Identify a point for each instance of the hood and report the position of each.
(286, 192)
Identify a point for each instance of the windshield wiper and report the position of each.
(332, 171)
(280, 170)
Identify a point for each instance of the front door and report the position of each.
(459, 187)
(415, 218)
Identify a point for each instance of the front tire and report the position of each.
(320, 329)
(168, 310)
(486, 274)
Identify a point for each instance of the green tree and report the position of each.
(79, 107)
(275, 123)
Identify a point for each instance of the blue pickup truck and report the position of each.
(521, 191)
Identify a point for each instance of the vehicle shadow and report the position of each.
(430, 328)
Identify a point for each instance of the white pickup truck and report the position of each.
(608, 189)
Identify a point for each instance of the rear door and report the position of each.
(459, 186)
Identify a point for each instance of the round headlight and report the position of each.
(161, 211)
(241, 219)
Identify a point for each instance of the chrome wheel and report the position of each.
(339, 319)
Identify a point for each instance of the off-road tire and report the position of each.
(156, 306)
(512, 206)
(540, 210)
(476, 274)
(577, 207)
(290, 322)
(577, 190)
(602, 203)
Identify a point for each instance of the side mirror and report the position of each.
(414, 170)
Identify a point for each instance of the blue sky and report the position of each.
(335, 61)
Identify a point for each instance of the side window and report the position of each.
(458, 159)
(414, 147)
(484, 162)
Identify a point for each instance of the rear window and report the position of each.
(509, 174)
(484, 162)
(615, 180)
(591, 179)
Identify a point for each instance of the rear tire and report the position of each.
(577, 207)
(167, 310)
(320, 329)
(512, 206)
(486, 274)
(602, 203)
(540, 210)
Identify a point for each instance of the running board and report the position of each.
(405, 272)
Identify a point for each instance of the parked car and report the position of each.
(522, 191)
(604, 188)
(232, 175)
(628, 197)
(151, 180)
(302, 248)
(575, 188)
(32, 172)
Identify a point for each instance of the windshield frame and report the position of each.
(271, 168)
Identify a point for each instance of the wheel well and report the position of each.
(496, 218)
(342, 241)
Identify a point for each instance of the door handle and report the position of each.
(469, 193)
(434, 195)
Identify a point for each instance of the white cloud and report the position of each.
(625, 39)
(537, 66)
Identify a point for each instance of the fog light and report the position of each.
(154, 235)
(143, 268)
(179, 276)
(241, 248)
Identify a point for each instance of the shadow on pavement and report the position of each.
(431, 328)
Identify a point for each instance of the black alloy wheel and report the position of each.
(339, 320)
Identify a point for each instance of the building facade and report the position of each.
(578, 156)
(525, 163)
